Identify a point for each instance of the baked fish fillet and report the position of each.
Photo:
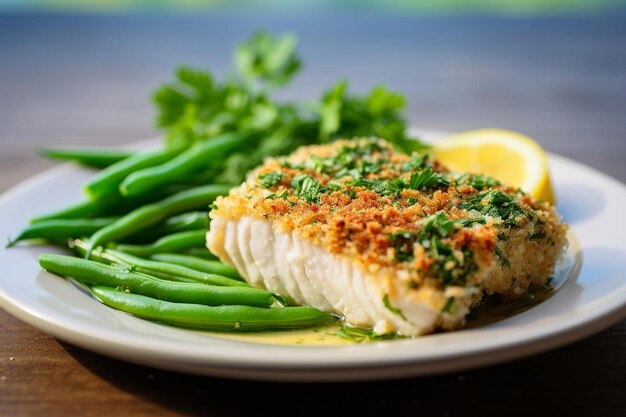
(389, 241)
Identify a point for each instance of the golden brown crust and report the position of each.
(386, 228)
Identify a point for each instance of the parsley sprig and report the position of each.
(307, 188)
(494, 203)
(270, 179)
(198, 106)
(451, 266)
(427, 179)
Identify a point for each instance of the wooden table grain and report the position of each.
(70, 79)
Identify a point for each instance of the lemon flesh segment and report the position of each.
(510, 157)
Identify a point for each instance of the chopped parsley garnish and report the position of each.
(346, 172)
(389, 187)
(449, 306)
(283, 196)
(322, 165)
(451, 266)
(495, 204)
(358, 334)
(372, 167)
(383, 187)
(391, 308)
(306, 188)
(403, 243)
(477, 181)
(333, 186)
(270, 179)
(361, 161)
(483, 181)
(417, 161)
(469, 222)
(438, 225)
(287, 164)
(426, 179)
(503, 259)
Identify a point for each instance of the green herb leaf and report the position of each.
(503, 259)
(270, 179)
(449, 306)
(438, 225)
(197, 106)
(391, 187)
(483, 181)
(391, 308)
(426, 179)
(403, 244)
(268, 59)
(382, 101)
(307, 188)
(333, 186)
(495, 204)
(358, 334)
(417, 161)
(330, 110)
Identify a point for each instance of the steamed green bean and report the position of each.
(108, 180)
(57, 230)
(226, 317)
(181, 167)
(92, 157)
(166, 270)
(150, 214)
(197, 263)
(170, 243)
(95, 273)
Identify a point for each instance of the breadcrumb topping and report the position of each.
(407, 213)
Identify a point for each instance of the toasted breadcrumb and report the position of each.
(360, 223)
(406, 219)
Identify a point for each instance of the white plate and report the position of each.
(591, 202)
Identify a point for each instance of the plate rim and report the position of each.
(600, 318)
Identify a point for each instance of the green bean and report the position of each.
(94, 273)
(84, 209)
(109, 205)
(166, 270)
(193, 220)
(103, 257)
(61, 229)
(226, 318)
(173, 242)
(154, 213)
(187, 221)
(92, 157)
(199, 264)
(79, 247)
(108, 180)
(200, 253)
(183, 166)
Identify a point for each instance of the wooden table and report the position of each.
(85, 80)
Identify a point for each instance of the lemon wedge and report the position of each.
(510, 157)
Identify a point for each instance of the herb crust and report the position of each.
(405, 214)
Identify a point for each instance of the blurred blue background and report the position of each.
(82, 72)
(406, 6)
